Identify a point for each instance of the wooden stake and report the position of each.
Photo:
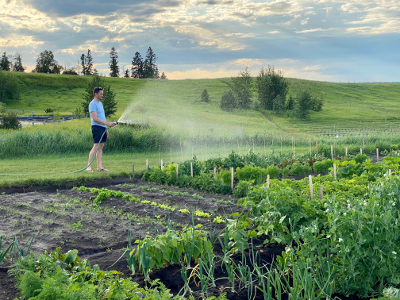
(147, 165)
(215, 172)
(321, 192)
(316, 147)
(334, 171)
(177, 170)
(363, 139)
(390, 172)
(191, 169)
(361, 151)
(232, 173)
(133, 172)
(346, 151)
(162, 165)
(268, 181)
(377, 154)
(331, 152)
(311, 187)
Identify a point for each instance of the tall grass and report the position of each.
(125, 139)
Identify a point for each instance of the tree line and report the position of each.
(46, 63)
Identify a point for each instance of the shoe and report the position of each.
(89, 170)
(105, 170)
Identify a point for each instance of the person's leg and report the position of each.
(99, 158)
(91, 156)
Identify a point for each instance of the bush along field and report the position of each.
(331, 235)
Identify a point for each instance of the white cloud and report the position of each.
(304, 22)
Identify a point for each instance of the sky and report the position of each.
(324, 40)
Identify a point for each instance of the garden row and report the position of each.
(345, 242)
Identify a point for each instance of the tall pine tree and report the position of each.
(114, 69)
(5, 62)
(137, 66)
(150, 67)
(87, 63)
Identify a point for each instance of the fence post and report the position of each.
(334, 171)
(232, 173)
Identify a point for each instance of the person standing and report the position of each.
(99, 126)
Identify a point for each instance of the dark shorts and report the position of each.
(97, 132)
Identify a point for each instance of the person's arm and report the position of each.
(97, 120)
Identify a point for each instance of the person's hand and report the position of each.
(110, 124)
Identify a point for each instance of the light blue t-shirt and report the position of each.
(97, 107)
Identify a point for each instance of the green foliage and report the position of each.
(228, 101)
(9, 87)
(204, 96)
(45, 63)
(271, 89)
(5, 63)
(66, 277)
(240, 87)
(4, 253)
(242, 188)
(69, 72)
(109, 103)
(307, 101)
(114, 68)
(9, 121)
(322, 166)
(300, 169)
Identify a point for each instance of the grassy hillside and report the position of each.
(176, 104)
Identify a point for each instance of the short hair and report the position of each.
(97, 90)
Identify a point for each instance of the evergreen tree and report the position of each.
(18, 67)
(87, 63)
(114, 69)
(109, 103)
(5, 62)
(137, 66)
(150, 67)
(204, 96)
(163, 76)
(83, 64)
(126, 75)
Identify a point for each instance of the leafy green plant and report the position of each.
(4, 253)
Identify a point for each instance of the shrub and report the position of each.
(252, 173)
(228, 101)
(204, 96)
(298, 169)
(48, 110)
(322, 166)
(273, 171)
(242, 188)
(10, 121)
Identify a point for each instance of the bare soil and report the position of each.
(67, 219)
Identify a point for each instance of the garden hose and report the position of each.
(78, 171)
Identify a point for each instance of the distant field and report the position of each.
(176, 105)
